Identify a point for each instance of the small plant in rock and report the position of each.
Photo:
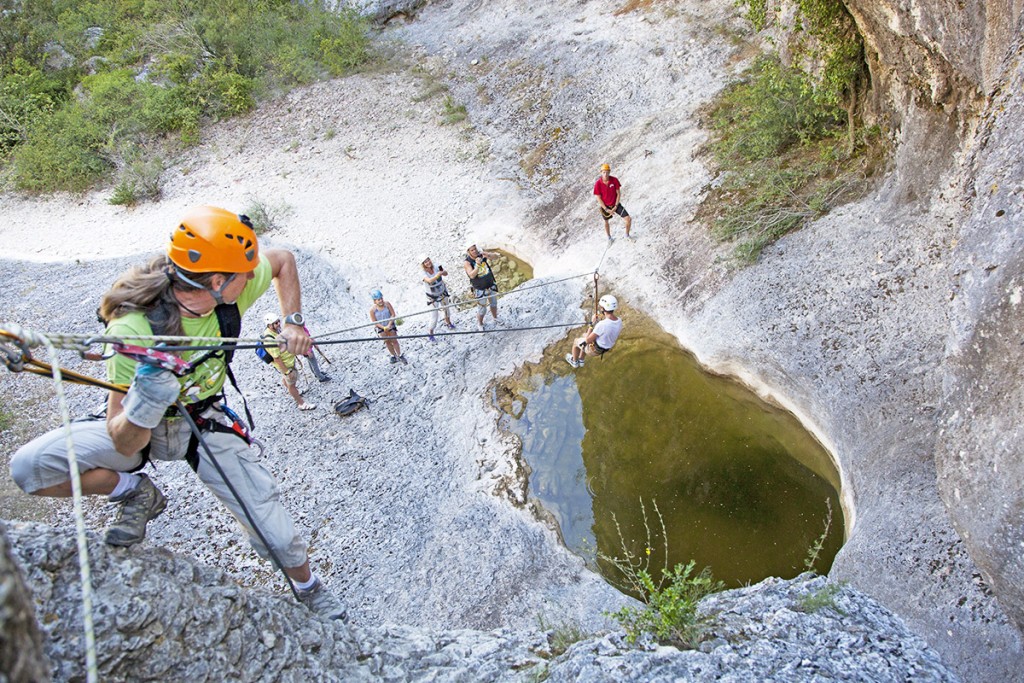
(814, 552)
(138, 176)
(670, 596)
(453, 113)
(561, 636)
(823, 598)
(6, 419)
(266, 216)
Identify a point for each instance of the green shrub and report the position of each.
(670, 614)
(782, 158)
(771, 109)
(266, 216)
(204, 61)
(26, 94)
(670, 601)
(64, 151)
(453, 112)
(139, 175)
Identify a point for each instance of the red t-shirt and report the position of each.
(609, 192)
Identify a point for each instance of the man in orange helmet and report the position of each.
(213, 272)
(608, 191)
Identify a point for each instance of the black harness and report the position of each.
(229, 320)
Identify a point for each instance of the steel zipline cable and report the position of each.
(22, 360)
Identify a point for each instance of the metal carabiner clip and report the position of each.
(85, 354)
(13, 360)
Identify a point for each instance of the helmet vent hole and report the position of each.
(194, 256)
(229, 235)
(250, 255)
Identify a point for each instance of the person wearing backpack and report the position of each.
(213, 271)
(283, 360)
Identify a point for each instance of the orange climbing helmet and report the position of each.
(214, 240)
(605, 167)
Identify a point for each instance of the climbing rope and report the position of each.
(92, 672)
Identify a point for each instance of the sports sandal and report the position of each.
(307, 406)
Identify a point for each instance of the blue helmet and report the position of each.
(376, 294)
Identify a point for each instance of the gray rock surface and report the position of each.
(979, 452)
(162, 617)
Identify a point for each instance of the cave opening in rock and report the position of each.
(741, 486)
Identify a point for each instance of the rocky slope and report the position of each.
(162, 617)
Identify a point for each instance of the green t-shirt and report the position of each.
(209, 377)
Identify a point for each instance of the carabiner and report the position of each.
(14, 361)
(85, 354)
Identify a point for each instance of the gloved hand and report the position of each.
(153, 389)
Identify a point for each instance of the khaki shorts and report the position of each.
(43, 462)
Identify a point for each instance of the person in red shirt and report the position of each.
(608, 191)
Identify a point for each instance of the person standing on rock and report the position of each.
(608, 191)
(382, 313)
(283, 360)
(437, 294)
(482, 282)
(213, 261)
(601, 335)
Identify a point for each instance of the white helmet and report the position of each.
(423, 257)
(470, 242)
(270, 318)
(608, 302)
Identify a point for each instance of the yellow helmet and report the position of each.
(214, 240)
(605, 167)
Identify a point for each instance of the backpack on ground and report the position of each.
(349, 405)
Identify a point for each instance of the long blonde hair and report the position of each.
(149, 289)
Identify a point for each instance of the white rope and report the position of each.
(92, 673)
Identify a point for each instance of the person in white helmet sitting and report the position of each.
(601, 335)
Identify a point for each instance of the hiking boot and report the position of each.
(324, 378)
(394, 359)
(321, 600)
(138, 506)
(402, 358)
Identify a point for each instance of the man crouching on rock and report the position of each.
(213, 258)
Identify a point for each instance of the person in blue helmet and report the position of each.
(382, 314)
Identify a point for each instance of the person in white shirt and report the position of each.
(601, 335)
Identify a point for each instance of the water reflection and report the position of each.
(742, 487)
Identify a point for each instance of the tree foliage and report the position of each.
(129, 70)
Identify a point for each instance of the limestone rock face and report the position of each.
(948, 52)
(21, 645)
(161, 617)
(979, 455)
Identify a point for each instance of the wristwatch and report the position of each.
(294, 319)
